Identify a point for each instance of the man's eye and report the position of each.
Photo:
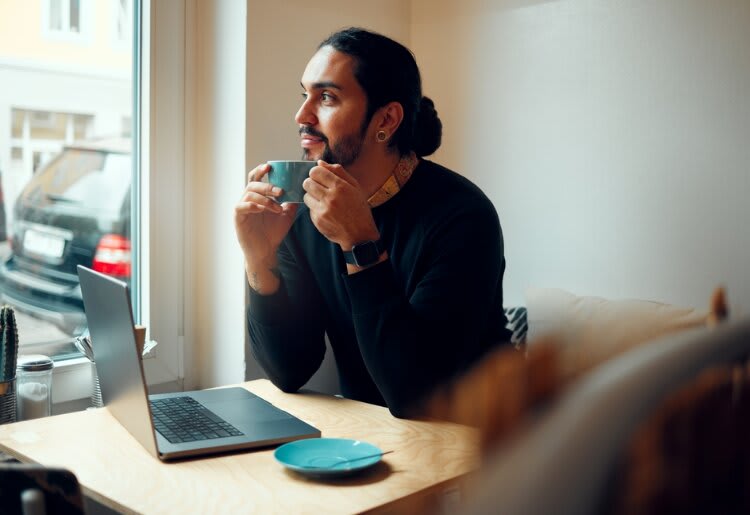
(304, 95)
(326, 97)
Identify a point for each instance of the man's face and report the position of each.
(332, 116)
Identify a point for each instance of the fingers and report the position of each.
(331, 183)
(311, 202)
(257, 173)
(326, 179)
(257, 204)
(323, 176)
(263, 188)
(316, 188)
(336, 170)
(258, 197)
(255, 198)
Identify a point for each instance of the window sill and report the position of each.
(72, 383)
(71, 380)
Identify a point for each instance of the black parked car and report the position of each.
(75, 210)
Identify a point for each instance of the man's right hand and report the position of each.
(261, 224)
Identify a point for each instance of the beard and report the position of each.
(343, 152)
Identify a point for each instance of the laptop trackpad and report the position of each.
(238, 406)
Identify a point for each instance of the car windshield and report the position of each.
(87, 178)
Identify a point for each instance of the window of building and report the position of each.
(65, 15)
(66, 19)
(41, 134)
(123, 21)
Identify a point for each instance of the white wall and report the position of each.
(613, 137)
(215, 130)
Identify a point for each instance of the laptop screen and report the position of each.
(108, 312)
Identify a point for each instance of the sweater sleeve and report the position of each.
(412, 344)
(287, 327)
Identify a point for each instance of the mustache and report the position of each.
(312, 132)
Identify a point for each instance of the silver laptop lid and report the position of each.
(109, 314)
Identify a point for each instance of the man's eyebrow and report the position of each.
(323, 85)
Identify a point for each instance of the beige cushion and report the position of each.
(594, 328)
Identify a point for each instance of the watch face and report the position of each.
(365, 253)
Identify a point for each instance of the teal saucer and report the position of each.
(327, 456)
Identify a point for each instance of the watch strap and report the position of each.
(365, 253)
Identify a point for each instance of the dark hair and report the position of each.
(387, 72)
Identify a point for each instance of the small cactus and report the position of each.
(8, 343)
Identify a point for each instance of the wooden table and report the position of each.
(429, 459)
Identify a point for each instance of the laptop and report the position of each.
(172, 425)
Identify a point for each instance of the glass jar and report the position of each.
(34, 386)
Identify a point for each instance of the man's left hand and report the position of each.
(338, 206)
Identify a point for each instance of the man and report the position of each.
(397, 259)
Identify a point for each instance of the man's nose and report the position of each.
(305, 115)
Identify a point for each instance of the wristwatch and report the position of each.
(364, 254)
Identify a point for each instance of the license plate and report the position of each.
(47, 245)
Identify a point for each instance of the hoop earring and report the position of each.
(381, 136)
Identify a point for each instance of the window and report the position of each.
(126, 126)
(123, 21)
(44, 133)
(66, 19)
(94, 87)
(66, 170)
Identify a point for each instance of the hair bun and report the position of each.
(428, 131)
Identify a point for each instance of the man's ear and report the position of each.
(389, 118)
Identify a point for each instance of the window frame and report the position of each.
(161, 133)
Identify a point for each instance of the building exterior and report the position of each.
(65, 74)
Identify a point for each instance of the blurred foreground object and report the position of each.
(692, 455)
(635, 427)
(503, 390)
(37, 490)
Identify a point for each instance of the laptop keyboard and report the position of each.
(183, 419)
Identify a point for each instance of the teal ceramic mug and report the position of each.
(289, 176)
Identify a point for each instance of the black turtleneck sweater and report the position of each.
(400, 328)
